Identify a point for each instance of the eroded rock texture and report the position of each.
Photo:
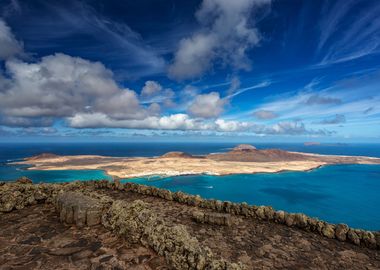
(149, 228)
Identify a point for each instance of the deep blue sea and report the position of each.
(342, 193)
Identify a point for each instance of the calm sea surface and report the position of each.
(342, 193)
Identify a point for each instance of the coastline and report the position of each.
(143, 167)
(236, 161)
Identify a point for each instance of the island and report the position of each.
(106, 224)
(243, 159)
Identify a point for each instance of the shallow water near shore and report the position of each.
(11, 173)
(342, 193)
(337, 194)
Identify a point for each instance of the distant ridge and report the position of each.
(43, 156)
(246, 152)
(176, 154)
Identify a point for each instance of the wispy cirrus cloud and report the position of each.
(112, 41)
(344, 38)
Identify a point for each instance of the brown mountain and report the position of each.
(250, 153)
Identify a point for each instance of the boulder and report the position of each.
(329, 231)
(279, 216)
(301, 220)
(341, 232)
(77, 208)
(353, 237)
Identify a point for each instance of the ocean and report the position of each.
(339, 194)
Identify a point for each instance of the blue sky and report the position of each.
(249, 70)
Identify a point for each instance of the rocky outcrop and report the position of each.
(77, 208)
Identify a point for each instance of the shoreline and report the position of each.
(232, 162)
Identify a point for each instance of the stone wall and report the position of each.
(18, 195)
(140, 225)
(134, 221)
(340, 232)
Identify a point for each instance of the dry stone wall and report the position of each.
(20, 195)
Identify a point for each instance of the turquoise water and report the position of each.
(344, 193)
(8, 173)
(338, 194)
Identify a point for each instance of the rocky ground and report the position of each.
(262, 244)
(34, 238)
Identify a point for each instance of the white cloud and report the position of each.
(151, 88)
(60, 86)
(207, 105)
(226, 34)
(290, 128)
(231, 126)
(171, 122)
(153, 92)
(9, 46)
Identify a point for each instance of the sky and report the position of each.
(207, 70)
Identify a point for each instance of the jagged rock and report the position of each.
(74, 207)
(341, 232)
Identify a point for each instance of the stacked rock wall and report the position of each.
(19, 195)
(140, 225)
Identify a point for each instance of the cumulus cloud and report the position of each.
(291, 128)
(12, 121)
(336, 119)
(321, 100)
(9, 45)
(171, 122)
(265, 114)
(153, 92)
(151, 88)
(231, 126)
(60, 86)
(226, 34)
(207, 105)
